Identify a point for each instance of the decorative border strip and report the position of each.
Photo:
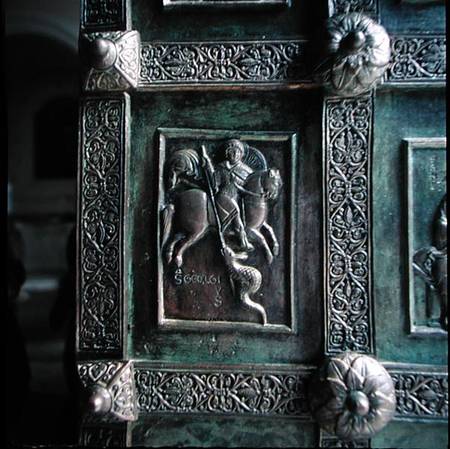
(421, 390)
(103, 138)
(422, 393)
(93, 434)
(223, 392)
(417, 60)
(221, 63)
(347, 147)
(330, 441)
(225, 3)
(343, 6)
(108, 15)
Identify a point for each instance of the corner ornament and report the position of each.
(111, 60)
(352, 397)
(109, 390)
(357, 54)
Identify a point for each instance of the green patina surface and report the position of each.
(296, 112)
(399, 115)
(302, 18)
(226, 431)
(409, 435)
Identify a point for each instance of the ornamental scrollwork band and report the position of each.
(418, 393)
(106, 435)
(224, 3)
(330, 441)
(102, 146)
(267, 394)
(104, 14)
(348, 6)
(417, 59)
(348, 308)
(421, 395)
(250, 62)
(370, 58)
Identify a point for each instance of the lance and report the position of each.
(209, 181)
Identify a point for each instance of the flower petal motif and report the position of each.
(355, 398)
(359, 53)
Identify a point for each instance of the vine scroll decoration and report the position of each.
(226, 62)
(101, 178)
(417, 59)
(104, 14)
(421, 395)
(222, 393)
(348, 309)
(348, 6)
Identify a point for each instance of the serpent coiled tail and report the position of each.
(246, 280)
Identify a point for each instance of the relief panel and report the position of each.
(427, 236)
(225, 239)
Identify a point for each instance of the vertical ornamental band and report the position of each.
(103, 139)
(348, 301)
(111, 15)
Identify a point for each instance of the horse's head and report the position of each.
(271, 183)
(183, 162)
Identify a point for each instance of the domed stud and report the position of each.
(99, 400)
(102, 53)
(354, 41)
(357, 52)
(352, 396)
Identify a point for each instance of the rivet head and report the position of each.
(103, 53)
(99, 400)
(358, 403)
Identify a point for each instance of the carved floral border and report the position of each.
(222, 392)
(342, 6)
(421, 391)
(348, 299)
(417, 59)
(103, 136)
(249, 62)
(108, 15)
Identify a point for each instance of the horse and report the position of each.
(190, 216)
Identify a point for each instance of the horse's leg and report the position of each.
(275, 244)
(188, 242)
(256, 235)
(171, 246)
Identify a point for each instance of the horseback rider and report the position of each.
(228, 182)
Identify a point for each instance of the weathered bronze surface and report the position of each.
(219, 255)
(239, 219)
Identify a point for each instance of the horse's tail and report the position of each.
(167, 215)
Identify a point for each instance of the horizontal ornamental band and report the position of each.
(422, 393)
(419, 59)
(252, 62)
(415, 61)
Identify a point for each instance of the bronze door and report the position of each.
(262, 220)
